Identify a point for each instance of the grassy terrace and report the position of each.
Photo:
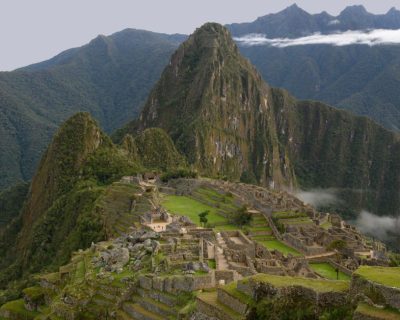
(328, 272)
(189, 207)
(280, 246)
(387, 276)
(314, 284)
(17, 308)
(232, 290)
(376, 313)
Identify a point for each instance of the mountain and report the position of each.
(110, 77)
(359, 78)
(214, 105)
(295, 22)
(228, 122)
(11, 201)
(75, 198)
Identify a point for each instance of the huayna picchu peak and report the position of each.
(217, 109)
(189, 212)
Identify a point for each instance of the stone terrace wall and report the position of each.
(379, 294)
(174, 284)
(247, 247)
(258, 290)
(296, 243)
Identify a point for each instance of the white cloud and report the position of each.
(334, 22)
(318, 197)
(379, 227)
(369, 37)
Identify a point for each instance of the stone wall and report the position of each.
(378, 293)
(227, 275)
(258, 290)
(233, 303)
(299, 245)
(174, 284)
(246, 248)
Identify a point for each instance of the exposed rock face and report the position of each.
(228, 122)
(218, 110)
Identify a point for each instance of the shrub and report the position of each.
(179, 173)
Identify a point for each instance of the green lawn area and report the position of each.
(328, 272)
(280, 246)
(318, 285)
(387, 314)
(383, 275)
(189, 207)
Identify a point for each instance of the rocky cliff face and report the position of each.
(218, 111)
(227, 121)
(335, 149)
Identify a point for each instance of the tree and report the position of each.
(337, 245)
(203, 217)
(242, 217)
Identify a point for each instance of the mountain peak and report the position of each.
(293, 9)
(211, 34)
(392, 11)
(212, 102)
(356, 9)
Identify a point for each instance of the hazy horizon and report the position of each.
(36, 31)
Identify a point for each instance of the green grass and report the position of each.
(17, 307)
(212, 264)
(34, 293)
(327, 271)
(80, 271)
(226, 227)
(288, 215)
(387, 314)
(232, 290)
(211, 299)
(326, 225)
(383, 275)
(189, 207)
(318, 285)
(280, 246)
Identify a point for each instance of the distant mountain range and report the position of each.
(295, 22)
(111, 77)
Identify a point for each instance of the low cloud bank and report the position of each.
(368, 37)
(318, 197)
(379, 227)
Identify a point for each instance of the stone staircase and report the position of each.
(227, 303)
(222, 263)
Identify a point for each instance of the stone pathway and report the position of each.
(222, 263)
(322, 255)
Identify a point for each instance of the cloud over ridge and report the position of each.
(365, 37)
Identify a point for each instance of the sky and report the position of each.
(33, 31)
